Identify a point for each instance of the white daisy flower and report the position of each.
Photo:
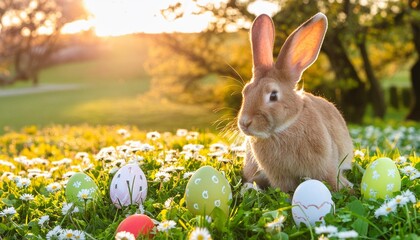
(166, 225)
(43, 220)
(67, 234)
(192, 147)
(188, 175)
(8, 211)
(385, 209)
(53, 187)
(359, 154)
(401, 200)
(401, 160)
(200, 234)
(79, 235)
(347, 234)
(326, 229)
(123, 132)
(153, 136)
(410, 195)
(23, 183)
(146, 148)
(67, 207)
(415, 175)
(123, 235)
(192, 136)
(277, 224)
(54, 233)
(168, 203)
(162, 177)
(408, 170)
(181, 132)
(81, 155)
(84, 194)
(7, 175)
(27, 197)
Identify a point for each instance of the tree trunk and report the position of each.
(35, 80)
(353, 100)
(415, 83)
(415, 75)
(376, 94)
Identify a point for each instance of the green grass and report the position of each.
(251, 212)
(400, 79)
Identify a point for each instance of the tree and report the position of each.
(356, 29)
(414, 13)
(29, 32)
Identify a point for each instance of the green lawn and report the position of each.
(111, 91)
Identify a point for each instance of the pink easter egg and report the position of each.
(137, 224)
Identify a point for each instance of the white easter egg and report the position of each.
(311, 202)
(128, 186)
(207, 189)
(381, 179)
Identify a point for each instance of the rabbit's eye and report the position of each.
(273, 96)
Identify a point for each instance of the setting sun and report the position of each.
(113, 18)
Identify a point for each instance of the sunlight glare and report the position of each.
(260, 6)
(111, 17)
(120, 17)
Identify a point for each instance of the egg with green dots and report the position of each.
(206, 190)
(381, 179)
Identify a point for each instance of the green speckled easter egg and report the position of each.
(207, 189)
(381, 179)
(81, 188)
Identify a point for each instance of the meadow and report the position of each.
(107, 90)
(36, 164)
(46, 137)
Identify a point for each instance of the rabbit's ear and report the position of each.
(302, 47)
(262, 41)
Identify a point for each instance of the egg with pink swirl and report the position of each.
(128, 186)
(311, 202)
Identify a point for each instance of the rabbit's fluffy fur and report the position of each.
(291, 134)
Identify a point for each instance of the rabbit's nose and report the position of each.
(245, 122)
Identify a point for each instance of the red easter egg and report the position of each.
(137, 224)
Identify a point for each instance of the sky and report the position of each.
(119, 17)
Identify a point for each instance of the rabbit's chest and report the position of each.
(298, 155)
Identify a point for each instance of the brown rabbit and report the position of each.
(291, 134)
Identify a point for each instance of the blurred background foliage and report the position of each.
(366, 42)
(368, 66)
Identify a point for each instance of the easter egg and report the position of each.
(137, 224)
(311, 202)
(207, 189)
(81, 188)
(381, 179)
(128, 186)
